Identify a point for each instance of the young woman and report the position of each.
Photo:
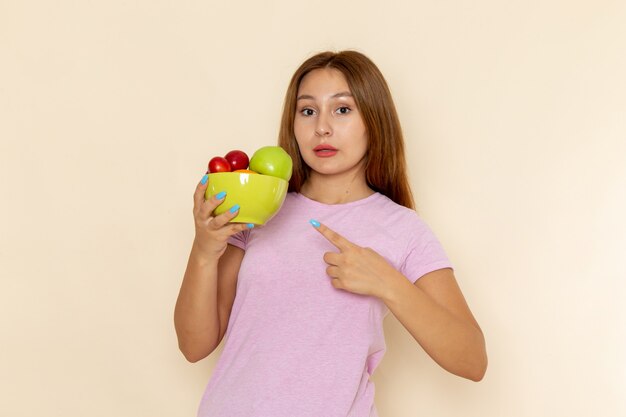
(301, 300)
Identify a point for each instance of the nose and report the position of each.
(323, 127)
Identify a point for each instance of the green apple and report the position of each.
(272, 160)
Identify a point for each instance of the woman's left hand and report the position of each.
(356, 269)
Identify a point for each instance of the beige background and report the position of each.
(514, 113)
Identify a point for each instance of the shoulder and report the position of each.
(393, 211)
(402, 222)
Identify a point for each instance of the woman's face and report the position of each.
(328, 126)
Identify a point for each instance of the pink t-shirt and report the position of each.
(296, 346)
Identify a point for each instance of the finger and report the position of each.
(198, 195)
(333, 237)
(222, 219)
(337, 284)
(333, 271)
(208, 206)
(332, 258)
(235, 228)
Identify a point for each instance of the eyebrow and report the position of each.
(341, 94)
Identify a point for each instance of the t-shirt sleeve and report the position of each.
(424, 254)
(240, 239)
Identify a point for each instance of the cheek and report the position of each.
(363, 137)
(300, 133)
(299, 130)
(299, 138)
(358, 135)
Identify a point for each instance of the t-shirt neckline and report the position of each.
(354, 203)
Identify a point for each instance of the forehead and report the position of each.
(323, 81)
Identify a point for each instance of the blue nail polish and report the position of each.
(220, 195)
(250, 225)
(315, 223)
(204, 179)
(234, 208)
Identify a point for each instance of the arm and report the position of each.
(205, 302)
(208, 288)
(435, 313)
(433, 310)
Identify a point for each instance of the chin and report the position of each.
(331, 166)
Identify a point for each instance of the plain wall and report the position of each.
(514, 116)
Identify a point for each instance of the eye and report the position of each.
(307, 112)
(343, 110)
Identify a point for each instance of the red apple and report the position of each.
(237, 160)
(219, 164)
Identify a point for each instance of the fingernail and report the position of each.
(220, 195)
(250, 225)
(234, 208)
(315, 223)
(204, 179)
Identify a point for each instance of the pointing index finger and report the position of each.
(333, 237)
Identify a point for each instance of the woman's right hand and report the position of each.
(212, 232)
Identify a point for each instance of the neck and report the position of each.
(337, 188)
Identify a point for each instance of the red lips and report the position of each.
(325, 151)
(324, 148)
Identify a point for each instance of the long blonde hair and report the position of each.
(385, 169)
